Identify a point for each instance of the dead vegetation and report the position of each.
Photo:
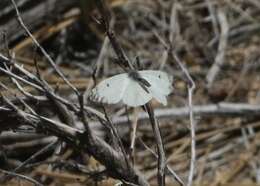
(52, 135)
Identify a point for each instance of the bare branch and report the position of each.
(125, 62)
(211, 110)
(42, 49)
(22, 177)
(219, 60)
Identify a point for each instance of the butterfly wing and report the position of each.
(161, 84)
(134, 95)
(110, 90)
(122, 87)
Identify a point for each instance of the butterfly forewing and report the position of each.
(110, 90)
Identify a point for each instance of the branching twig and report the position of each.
(219, 60)
(105, 20)
(159, 144)
(191, 88)
(125, 62)
(41, 151)
(19, 18)
(224, 109)
(167, 166)
(22, 177)
(31, 79)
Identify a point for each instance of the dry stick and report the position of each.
(62, 163)
(3, 57)
(119, 141)
(63, 113)
(40, 88)
(161, 159)
(252, 162)
(174, 23)
(224, 109)
(21, 89)
(60, 109)
(90, 142)
(248, 65)
(191, 88)
(212, 17)
(33, 78)
(107, 155)
(244, 15)
(219, 60)
(93, 144)
(133, 133)
(42, 49)
(41, 151)
(20, 78)
(159, 144)
(123, 59)
(176, 177)
(101, 56)
(34, 182)
(105, 21)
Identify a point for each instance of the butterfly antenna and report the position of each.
(93, 75)
(138, 63)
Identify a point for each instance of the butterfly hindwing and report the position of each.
(135, 95)
(161, 84)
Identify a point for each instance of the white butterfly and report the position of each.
(134, 88)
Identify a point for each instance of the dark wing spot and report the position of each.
(159, 76)
(107, 85)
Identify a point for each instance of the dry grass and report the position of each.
(218, 41)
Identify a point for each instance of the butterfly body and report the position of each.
(134, 89)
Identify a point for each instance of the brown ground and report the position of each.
(218, 41)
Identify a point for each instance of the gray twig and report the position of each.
(224, 109)
(125, 62)
(19, 18)
(167, 166)
(191, 88)
(219, 60)
(22, 177)
(159, 143)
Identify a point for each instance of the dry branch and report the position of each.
(213, 110)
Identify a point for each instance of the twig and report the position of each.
(159, 144)
(174, 23)
(72, 106)
(42, 49)
(133, 126)
(219, 60)
(179, 180)
(213, 17)
(252, 162)
(191, 88)
(114, 42)
(101, 56)
(43, 150)
(22, 177)
(117, 138)
(87, 140)
(222, 109)
(125, 62)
